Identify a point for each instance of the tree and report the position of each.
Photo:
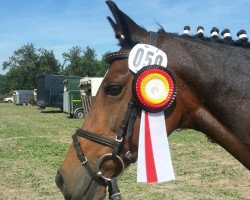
(73, 61)
(89, 62)
(4, 86)
(83, 63)
(26, 63)
(102, 66)
(22, 66)
(47, 63)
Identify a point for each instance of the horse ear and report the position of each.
(126, 30)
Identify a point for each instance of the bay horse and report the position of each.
(213, 94)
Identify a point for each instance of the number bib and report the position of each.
(143, 55)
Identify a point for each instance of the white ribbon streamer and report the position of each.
(161, 153)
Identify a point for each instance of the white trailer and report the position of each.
(88, 88)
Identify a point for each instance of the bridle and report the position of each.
(125, 130)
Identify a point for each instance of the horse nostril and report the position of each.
(59, 180)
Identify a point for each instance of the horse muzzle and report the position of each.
(78, 186)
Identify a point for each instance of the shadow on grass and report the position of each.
(50, 111)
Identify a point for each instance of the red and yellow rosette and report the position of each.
(154, 88)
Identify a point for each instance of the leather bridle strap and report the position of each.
(128, 121)
(122, 131)
(84, 162)
(116, 56)
(115, 144)
(96, 138)
(114, 192)
(152, 38)
(131, 121)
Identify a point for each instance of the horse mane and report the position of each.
(129, 33)
(161, 30)
(238, 43)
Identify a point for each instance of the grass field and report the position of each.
(33, 144)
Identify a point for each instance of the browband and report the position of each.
(116, 56)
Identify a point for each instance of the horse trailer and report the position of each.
(72, 103)
(88, 88)
(50, 90)
(22, 97)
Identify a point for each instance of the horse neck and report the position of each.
(216, 74)
(207, 65)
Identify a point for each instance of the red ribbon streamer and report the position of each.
(149, 156)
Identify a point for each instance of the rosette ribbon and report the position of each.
(153, 91)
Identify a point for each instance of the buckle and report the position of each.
(118, 140)
(84, 161)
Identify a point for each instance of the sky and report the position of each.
(59, 25)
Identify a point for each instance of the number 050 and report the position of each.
(148, 58)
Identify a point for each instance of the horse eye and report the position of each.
(113, 90)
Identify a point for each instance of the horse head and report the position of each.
(106, 114)
(108, 139)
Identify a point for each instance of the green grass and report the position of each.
(33, 145)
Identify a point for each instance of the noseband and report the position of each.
(125, 129)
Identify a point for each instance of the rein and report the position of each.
(125, 129)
